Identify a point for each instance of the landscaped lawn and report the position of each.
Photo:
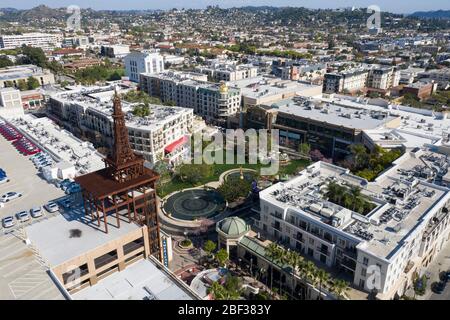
(176, 184)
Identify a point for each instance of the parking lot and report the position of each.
(24, 179)
(22, 276)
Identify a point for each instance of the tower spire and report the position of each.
(121, 155)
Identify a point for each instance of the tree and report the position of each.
(339, 287)
(9, 84)
(194, 173)
(32, 55)
(32, 83)
(209, 247)
(322, 277)
(5, 62)
(235, 188)
(219, 292)
(304, 149)
(22, 85)
(222, 257)
(316, 155)
(273, 253)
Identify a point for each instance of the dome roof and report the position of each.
(233, 226)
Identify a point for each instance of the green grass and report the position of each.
(176, 184)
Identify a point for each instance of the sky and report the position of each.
(399, 6)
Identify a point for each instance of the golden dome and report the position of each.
(223, 88)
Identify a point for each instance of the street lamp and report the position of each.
(251, 267)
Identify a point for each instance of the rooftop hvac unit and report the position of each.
(336, 222)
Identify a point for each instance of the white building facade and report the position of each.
(143, 62)
(45, 41)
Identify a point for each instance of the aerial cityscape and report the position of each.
(224, 151)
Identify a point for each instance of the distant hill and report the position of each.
(440, 14)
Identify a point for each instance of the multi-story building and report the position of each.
(44, 41)
(440, 76)
(159, 136)
(383, 247)
(142, 62)
(265, 91)
(115, 51)
(213, 101)
(10, 76)
(228, 72)
(328, 127)
(346, 81)
(383, 78)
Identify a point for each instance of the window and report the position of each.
(311, 241)
(365, 261)
(361, 283)
(133, 245)
(105, 259)
(363, 272)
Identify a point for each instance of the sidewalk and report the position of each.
(440, 263)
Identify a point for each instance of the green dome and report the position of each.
(233, 226)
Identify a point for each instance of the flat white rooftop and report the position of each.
(334, 114)
(99, 99)
(403, 202)
(141, 280)
(61, 143)
(54, 240)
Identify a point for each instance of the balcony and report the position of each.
(276, 215)
(351, 253)
(276, 226)
(323, 250)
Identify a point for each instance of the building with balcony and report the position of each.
(214, 102)
(381, 248)
(161, 135)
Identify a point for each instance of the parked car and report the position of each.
(36, 212)
(23, 216)
(74, 188)
(65, 184)
(4, 180)
(8, 222)
(51, 207)
(66, 203)
(10, 196)
(439, 287)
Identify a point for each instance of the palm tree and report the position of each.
(355, 193)
(339, 287)
(322, 277)
(332, 190)
(297, 263)
(310, 271)
(272, 253)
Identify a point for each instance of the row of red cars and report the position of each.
(22, 144)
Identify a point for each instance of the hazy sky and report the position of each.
(399, 6)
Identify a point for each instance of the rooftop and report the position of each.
(99, 100)
(143, 280)
(258, 87)
(349, 117)
(60, 143)
(401, 204)
(53, 236)
(421, 122)
(23, 71)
